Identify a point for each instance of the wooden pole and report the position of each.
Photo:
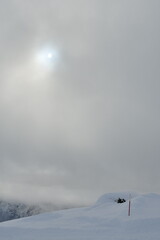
(129, 206)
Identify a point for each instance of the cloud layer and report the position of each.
(89, 123)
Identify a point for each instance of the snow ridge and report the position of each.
(106, 219)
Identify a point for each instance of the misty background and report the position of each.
(87, 122)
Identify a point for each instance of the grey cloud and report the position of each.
(90, 125)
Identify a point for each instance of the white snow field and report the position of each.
(107, 220)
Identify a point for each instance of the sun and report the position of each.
(48, 57)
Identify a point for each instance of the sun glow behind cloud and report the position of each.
(47, 58)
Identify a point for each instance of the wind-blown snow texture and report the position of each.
(104, 220)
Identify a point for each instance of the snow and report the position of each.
(106, 219)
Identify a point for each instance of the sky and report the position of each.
(79, 99)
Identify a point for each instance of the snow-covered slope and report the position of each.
(107, 219)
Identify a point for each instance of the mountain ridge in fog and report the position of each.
(10, 210)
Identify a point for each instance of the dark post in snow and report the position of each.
(129, 206)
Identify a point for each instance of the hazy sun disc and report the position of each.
(50, 55)
(48, 58)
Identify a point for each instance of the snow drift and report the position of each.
(106, 219)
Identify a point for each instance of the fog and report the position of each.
(86, 121)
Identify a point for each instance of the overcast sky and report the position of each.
(85, 119)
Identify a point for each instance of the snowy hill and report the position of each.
(107, 219)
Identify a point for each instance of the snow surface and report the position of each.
(106, 219)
